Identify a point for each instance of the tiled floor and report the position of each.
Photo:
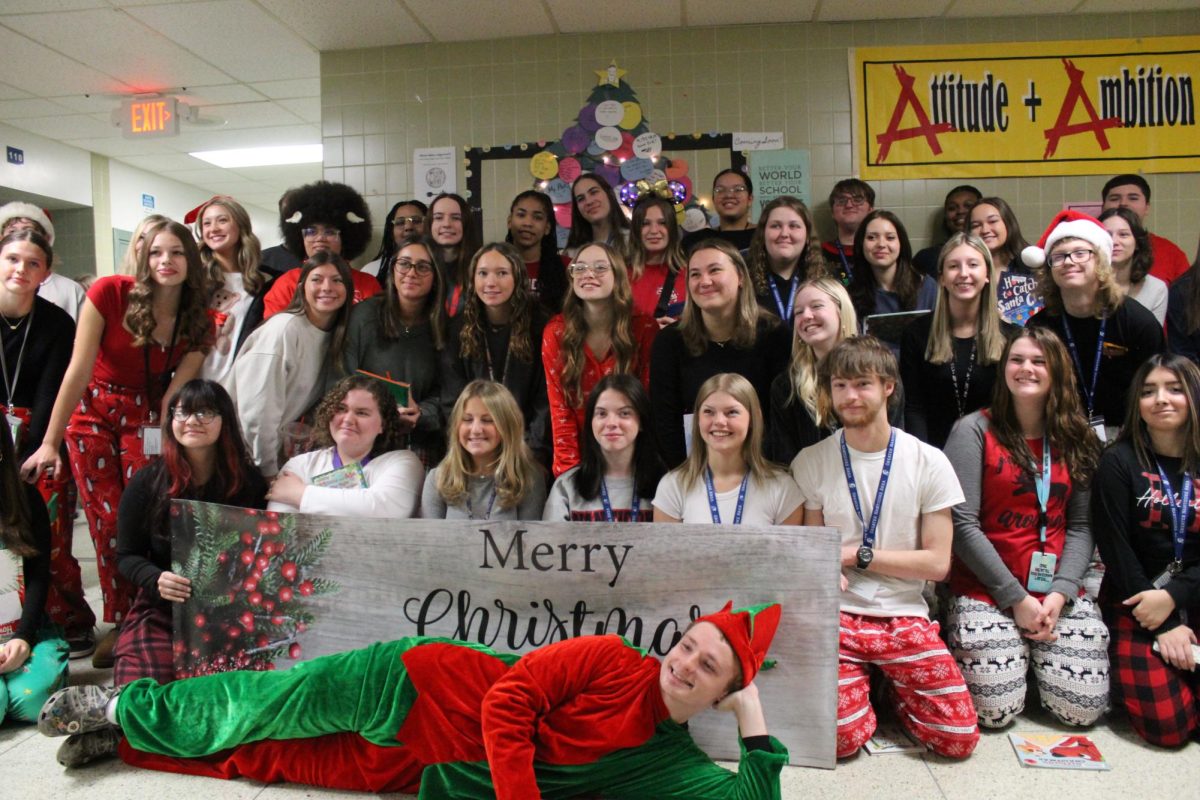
(1138, 770)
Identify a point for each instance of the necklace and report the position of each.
(11, 325)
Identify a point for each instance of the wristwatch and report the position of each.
(863, 557)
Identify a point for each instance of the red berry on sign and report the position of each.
(247, 557)
(294, 651)
(255, 599)
(234, 631)
(288, 570)
(206, 637)
(256, 574)
(277, 620)
(285, 594)
(247, 620)
(200, 620)
(250, 584)
(262, 562)
(306, 588)
(252, 512)
(268, 604)
(268, 548)
(247, 538)
(262, 640)
(222, 558)
(272, 515)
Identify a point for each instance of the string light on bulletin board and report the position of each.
(611, 137)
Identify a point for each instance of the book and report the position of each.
(1057, 751)
(350, 476)
(890, 327)
(1017, 297)
(399, 389)
(891, 739)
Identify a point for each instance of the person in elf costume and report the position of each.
(443, 718)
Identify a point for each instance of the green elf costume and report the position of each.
(448, 719)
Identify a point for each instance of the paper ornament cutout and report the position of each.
(576, 139)
(647, 145)
(609, 173)
(594, 149)
(625, 151)
(544, 166)
(637, 169)
(676, 169)
(610, 112)
(632, 116)
(609, 138)
(587, 118)
(611, 76)
(569, 169)
(694, 220)
(559, 190)
(656, 176)
(562, 214)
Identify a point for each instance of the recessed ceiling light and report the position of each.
(262, 156)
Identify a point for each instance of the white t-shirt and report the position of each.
(231, 302)
(767, 503)
(921, 481)
(394, 481)
(64, 293)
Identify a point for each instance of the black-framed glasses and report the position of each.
(1079, 256)
(843, 200)
(405, 266)
(202, 415)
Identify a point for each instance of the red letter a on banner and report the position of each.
(895, 133)
(1063, 127)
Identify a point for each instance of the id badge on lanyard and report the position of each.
(1042, 564)
(152, 440)
(16, 427)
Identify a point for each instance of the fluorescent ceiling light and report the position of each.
(262, 156)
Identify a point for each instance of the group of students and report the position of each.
(760, 363)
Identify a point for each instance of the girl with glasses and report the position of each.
(597, 333)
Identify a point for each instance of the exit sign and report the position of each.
(143, 118)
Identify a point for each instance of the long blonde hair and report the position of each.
(741, 390)
(128, 265)
(746, 310)
(249, 252)
(802, 371)
(989, 340)
(1108, 295)
(516, 471)
(575, 327)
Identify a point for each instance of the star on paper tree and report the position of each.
(611, 137)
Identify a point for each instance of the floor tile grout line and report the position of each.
(936, 783)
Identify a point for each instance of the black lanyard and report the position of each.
(11, 388)
(869, 526)
(487, 355)
(1179, 512)
(712, 498)
(1089, 391)
(164, 380)
(960, 396)
(785, 312)
(608, 512)
(491, 502)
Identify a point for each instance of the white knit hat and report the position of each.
(19, 210)
(1068, 225)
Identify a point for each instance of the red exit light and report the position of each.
(152, 117)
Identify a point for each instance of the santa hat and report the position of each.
(190, 217)
(19, 210)
(749, 632)
(1068, 225)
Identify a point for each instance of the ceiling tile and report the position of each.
(31, 107)
(73, 126)
(306, 108)
(245, 41)
(279, 90)
(12, 93)
(757, 12)
(219, 95)
(346, 26)
(50, 6)
(460, 20)
(163, 162)
(1121, 6)
(576, 16)
(116, 148)
(90, 103)
(248, 115)
(39, 70)
(197, 138)
(873, 10)
(115, 43)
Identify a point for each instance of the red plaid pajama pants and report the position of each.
(65, 604)
(1163, 702)
(104, 441)
(930, 696)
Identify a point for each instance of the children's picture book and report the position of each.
(1018, 298)
(890, 739)
(1057, 751)
(890, 327)
(399, 389)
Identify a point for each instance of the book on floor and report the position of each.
(1057, 751)
(892, 738)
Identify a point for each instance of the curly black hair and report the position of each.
(324, 203)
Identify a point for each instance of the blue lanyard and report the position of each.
(1179, 513)
(1089, 393)
(1043, 492)
(845, 264)
(785, 313)
(337, 459)
(870, 526)
(712, 498)
(608, 512)
(491, 502)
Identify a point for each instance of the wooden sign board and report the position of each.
(276, 588)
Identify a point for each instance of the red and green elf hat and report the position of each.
(749, 632)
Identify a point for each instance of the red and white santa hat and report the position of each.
(1068, 225)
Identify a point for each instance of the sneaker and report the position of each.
(82, 643)
(84, 748)
(76, 709)
(103, 657)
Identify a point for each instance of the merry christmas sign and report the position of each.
(1028, 108)
(271, 589)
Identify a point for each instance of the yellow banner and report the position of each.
(1031, 108)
